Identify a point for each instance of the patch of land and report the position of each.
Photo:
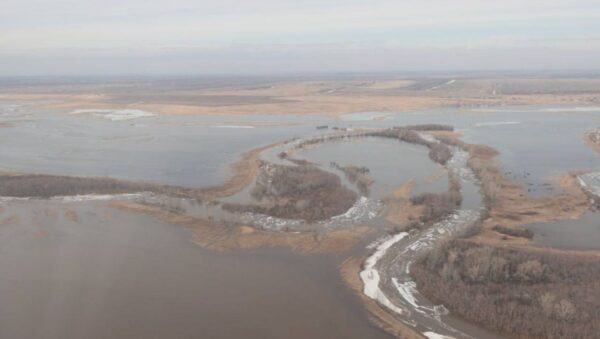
(221, 236)
(297, 192)
(46, 186)
(359, 176)
(508, 204)
(497, 278)
(400, 209)
(350, 271)
(520, 293)
(305, 96)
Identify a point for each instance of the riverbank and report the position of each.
(498, 278)
(280, 95)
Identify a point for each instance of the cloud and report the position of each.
(136, 28)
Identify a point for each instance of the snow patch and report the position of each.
(496, 123)
(590, 182)
(364, 209)
(370, 276)
(428, 137)
(440, 86)
(433, 335)
(96, 197)
(234, 126)
(115, 114)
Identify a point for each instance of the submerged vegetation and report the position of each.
(356, 175)
(46, 186)
(439, 205)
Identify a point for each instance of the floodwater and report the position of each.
(391, 163)
(579, 234)
(536, 143)
(397, 289)
(190, 151)
(106, 273)
(84, 270)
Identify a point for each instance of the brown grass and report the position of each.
(510, 206)
(330, 97)
(221, 237)
(244, 172)
(591, 140)
(400, 210)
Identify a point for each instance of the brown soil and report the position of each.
(350, 270)
(222, 237)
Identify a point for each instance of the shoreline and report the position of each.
(506, 202)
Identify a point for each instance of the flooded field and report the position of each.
(83, 269)
(580, 234)
(91, 270)
(390, 163)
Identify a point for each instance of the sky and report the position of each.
(112, 37)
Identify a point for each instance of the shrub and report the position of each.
(514, 232)
(518, 293)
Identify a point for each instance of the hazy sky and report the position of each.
(39, 37)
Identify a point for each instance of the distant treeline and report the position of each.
(438, 152)
(47, 186)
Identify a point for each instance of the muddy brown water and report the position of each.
(579, 234)
(118, 275)
(121, 275)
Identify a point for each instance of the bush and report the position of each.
(517, 293)
(514, 232)
(440, 153)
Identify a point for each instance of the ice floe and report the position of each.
(496, 123)
(364, 209)
(115, 114)
(590, 182)
(370, 275)
(233, 126)
(433, 335)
